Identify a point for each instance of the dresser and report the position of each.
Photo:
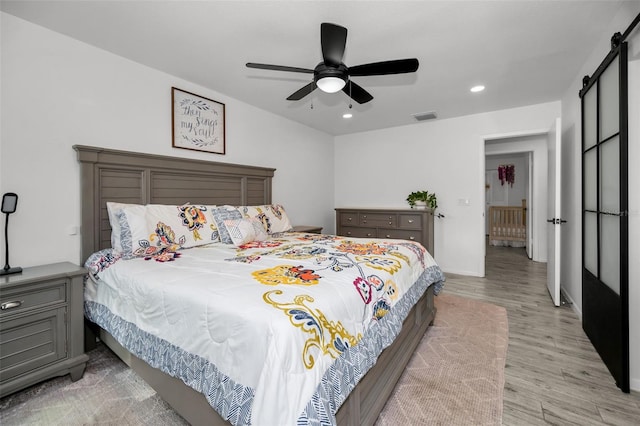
(406, 224)
(41, 325)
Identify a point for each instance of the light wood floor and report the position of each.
(553, 374)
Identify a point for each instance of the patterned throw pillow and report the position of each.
(243, 231)
(191, 220)
(273, 217)
(143, 230)
(220, 214)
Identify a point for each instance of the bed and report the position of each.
(354, 364)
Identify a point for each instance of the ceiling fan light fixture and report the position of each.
(331, 84)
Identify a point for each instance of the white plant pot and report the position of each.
(421, 205)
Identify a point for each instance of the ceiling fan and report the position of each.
(332, 75)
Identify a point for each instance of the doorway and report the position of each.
(533, 144)
(508, 198)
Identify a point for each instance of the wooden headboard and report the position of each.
(137, 178)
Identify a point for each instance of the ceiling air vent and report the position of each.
(424, 116)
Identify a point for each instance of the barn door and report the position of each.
(605, 252)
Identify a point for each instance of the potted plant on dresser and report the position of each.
(422, 200)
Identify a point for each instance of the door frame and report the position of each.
(533, 207)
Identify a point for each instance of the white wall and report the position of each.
(379, 169)
(571, 274)
(57, 92)
(518, 192)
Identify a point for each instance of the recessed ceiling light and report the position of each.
(347, 115)
(478, 88)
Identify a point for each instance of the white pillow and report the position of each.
(243, 231)
(112, 210)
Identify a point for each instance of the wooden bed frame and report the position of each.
(137, 178)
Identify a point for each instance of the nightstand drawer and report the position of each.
(32, 296)
(348, 231)
(410, 221)
(309, 229)
(32, 341)
(378, 220)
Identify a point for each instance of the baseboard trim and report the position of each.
(574, 305)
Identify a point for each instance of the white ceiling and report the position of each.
(524, 52)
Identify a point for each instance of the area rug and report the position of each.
(456, 377)
(109, 393)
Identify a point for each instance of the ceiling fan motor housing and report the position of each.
(323, 71)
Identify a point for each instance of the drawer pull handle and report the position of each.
(390, 222)
(368, 234)
(388, 236)
(410, 220)
(349, 219)
(364, 215)
(349, 233)
(412, 238)
(11, 305)
(364, 221)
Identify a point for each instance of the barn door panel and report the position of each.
(605, 299)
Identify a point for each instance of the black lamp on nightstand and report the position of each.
(9, 204)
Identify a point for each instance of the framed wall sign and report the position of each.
(198, 122)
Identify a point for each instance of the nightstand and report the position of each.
(41, 325)
(307, 228)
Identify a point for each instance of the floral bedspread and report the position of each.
(272, 332)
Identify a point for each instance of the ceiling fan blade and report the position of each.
(278, 68)
(399, 66)
(357, 93)
(302, 92)
(333, 39)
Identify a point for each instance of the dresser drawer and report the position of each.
(348, 218)
(32, 341)
(350, 231)
(410, 221)
(378, 220)
(401, 234)
(32, 296)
